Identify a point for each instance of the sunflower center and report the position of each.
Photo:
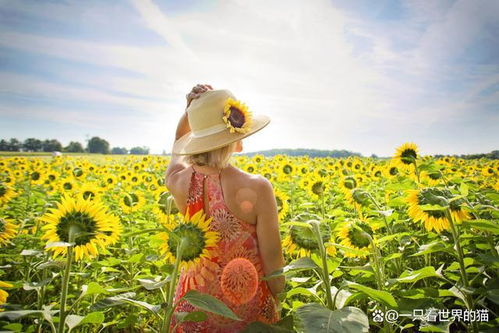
(393, 171)
(130, 199)
(88, 195)
(77, 172)
(435, 175)
(279, 203)
(318, 188)
(3, 190)
(357, 237)
(408, 156)
(2, 225)
(236, 117)
(195, 241)
(350, 183)
(84, 223)
(305, 237)
(287, 169)
(67, 186)
(35, 175)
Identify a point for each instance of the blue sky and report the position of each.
(365, 76)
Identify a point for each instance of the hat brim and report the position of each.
(188, 144)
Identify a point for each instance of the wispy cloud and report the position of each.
(357, 75)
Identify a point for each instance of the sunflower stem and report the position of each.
(325, 271)
(417, 170)
(65, 281)
(460, 253)
(171, 290)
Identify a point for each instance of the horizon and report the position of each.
(364, 77)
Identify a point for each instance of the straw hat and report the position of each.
(217, 119)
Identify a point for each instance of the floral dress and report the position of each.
(237, 239)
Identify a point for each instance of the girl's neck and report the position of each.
(206, 169)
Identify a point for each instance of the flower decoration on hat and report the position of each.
(236, 116)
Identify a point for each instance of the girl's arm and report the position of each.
(269, 239)
(176, 162)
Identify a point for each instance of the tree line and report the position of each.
(95, 145)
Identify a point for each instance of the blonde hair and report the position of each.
(218, 158)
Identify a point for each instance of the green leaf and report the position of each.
(492, 294)
(14, 315)
(483, 225)
(30, 252)
(463, 189)
(93, 318)
(112, 301)
(315, 318)
(209, 303)
(72, 321)
(436, 246)
(151, 284)
(58, 244)
(195, 316)
(414, 276)
(93, 288)
(304, 263)
(154, 309)
(379, 295)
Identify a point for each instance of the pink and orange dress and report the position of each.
(236, 248)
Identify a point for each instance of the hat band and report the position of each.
(209, 131)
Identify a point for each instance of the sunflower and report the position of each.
(93, 225)
(282, 203)
(68, 186)
(358, 198)
(317, 187)
(200, 241)
(301, 241)
(434, 219)
(3, 293)
(6, 193)
(7, 230)
(89, 191)
(165, 207)
(353, 236)
(110, 181)
(236, 116)
(132, 201)
(406, 155)
(431, 178)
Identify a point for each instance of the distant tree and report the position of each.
(32, 144)
(374, 156)
(74, 147)
(494, 154)
(14, 145)
(98, 145)
(4, 145)
(51, 145)
(139, 150)
(119, 151)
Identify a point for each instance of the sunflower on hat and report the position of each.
(236, 116)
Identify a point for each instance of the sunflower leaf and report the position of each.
(58, 244)
(379, 295)
(318, 319)
(209, 303)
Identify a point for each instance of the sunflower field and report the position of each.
(407, 244)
